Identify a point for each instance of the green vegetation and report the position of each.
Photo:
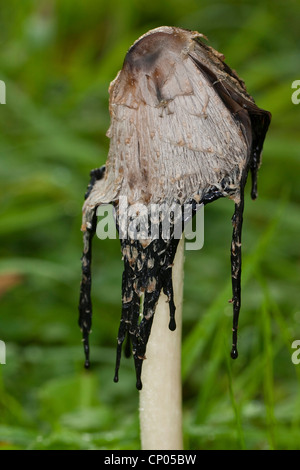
(57, 59)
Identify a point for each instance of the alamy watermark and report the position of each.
(296, 94)
(2, 92)
(154, 221)
(2, 352)
(296, 354)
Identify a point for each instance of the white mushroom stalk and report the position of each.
(161, 395)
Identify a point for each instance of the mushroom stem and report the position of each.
(160, 397)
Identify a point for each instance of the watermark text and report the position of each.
(296, 94)
(2, 92)
(151, 222)
(2, 352)
(296, 354)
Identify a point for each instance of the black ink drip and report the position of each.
(147, 271)
(236, 268)
(85, 303)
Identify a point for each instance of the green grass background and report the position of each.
(57, 59)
